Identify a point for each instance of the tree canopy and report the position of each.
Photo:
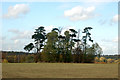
(56, 47)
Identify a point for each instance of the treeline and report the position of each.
(23, 57)
(111, 56)
(68, 47)
(18, 58)
(105, 60)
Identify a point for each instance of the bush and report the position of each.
(103, 59)
(110, 60)
(5, 61)
(117, 61)
(96, 59)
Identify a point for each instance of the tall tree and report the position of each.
(39, 37)
(84, 38)
(77, 49)
(61, 47)
(51, 47)
(67, 46)
(72, 35)
(59, 30)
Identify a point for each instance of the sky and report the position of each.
(20, 19)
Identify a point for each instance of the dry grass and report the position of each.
(59, 70)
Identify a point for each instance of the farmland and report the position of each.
(59, 70)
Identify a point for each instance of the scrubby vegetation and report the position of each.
(104, 60)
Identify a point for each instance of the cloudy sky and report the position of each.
(20, 19)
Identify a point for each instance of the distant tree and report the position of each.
(10, 58)
(22, 58)
(15, 59)
(29, 59)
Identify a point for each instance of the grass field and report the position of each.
(59, 70)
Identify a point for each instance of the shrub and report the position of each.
(103, 59)
(110, 60)
(96, 59)
(117, 61)
(5, 61)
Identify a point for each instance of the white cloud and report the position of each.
(115, 18)
(17, 11)
(20, 38)
(102, 21)
(14, 44)
(109, 46)
(80, 13)
(16, 41)
(115, 39)
(20, 34)
(49, 28)
(14, 31)
(64, 6)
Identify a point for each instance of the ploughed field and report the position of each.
(59, 70)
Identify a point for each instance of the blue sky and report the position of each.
(19, 19)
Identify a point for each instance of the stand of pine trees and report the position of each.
(67, 47)
(57, 47)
